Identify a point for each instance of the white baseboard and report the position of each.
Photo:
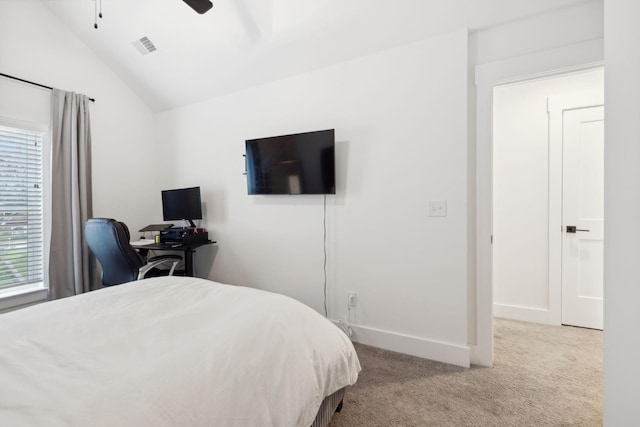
(525, 314)
(415, 346)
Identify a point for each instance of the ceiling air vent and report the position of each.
(144, 46)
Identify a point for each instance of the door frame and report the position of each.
(579, 57)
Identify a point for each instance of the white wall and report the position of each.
(622, 210)
(401, 141)
(35, 46)
(521, 198)
(538, 33)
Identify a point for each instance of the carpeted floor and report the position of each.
(542, 376)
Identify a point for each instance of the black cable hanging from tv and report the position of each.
(324, 247)
(33, 83)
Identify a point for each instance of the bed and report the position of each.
(172, 351)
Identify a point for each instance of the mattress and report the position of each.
(170, 351)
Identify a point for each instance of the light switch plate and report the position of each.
(438, 208)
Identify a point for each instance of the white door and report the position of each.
(582, 216)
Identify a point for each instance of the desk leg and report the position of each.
(188, 262)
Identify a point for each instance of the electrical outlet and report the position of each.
(352, 299)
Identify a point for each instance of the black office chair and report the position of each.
(108, 239)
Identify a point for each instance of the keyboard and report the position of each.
(142, 242)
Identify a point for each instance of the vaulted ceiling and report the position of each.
(242, 43)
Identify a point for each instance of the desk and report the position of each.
(188, 249)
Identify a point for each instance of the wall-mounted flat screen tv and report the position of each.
(302, 163)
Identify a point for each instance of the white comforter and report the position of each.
(170, 352)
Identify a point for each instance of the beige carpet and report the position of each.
(543, 376)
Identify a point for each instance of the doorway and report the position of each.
(564, 60)
(548, 199)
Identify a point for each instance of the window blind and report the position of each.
(21, 207)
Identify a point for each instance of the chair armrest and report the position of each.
(159, 260)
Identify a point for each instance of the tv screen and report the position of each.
(182, 203)
(302, 163)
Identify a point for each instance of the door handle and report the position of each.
(573, 229)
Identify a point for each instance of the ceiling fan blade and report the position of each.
(200, 6)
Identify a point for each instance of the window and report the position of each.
(21, 206)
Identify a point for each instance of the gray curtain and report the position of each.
(71, 265)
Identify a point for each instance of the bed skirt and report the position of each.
(330, 405)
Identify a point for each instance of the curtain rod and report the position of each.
(33, 83)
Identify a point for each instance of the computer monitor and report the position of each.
(182, 204)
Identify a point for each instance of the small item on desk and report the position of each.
(157, 238)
